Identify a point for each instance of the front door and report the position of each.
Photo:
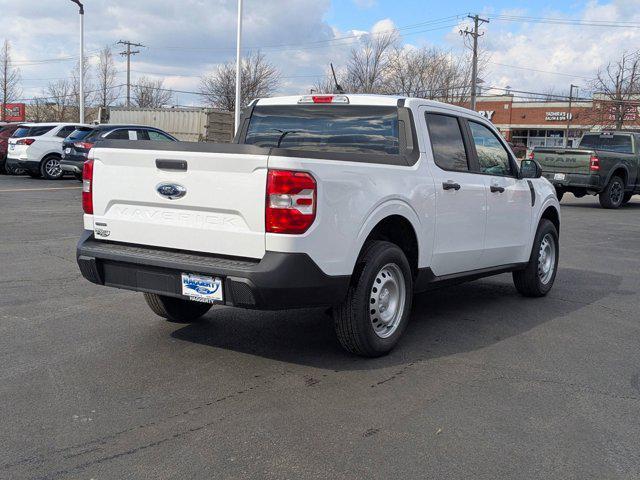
(509, 207)
(460, 198)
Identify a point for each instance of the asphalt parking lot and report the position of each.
(484, 385)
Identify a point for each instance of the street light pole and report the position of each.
(81, 73)
(238, 68)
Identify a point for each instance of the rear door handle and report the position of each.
(451, 186)
(496, 189)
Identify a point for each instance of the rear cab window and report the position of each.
(326, 128)
(608, 143)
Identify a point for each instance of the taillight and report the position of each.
(291, 202)
(25, 141)
(87, 186)
(85, 145)
(594, 164)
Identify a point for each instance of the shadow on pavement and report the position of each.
(444, 322)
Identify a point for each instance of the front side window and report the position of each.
(326, 128)
(449, 151)
(492, 155)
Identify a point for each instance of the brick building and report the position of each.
(545, 124)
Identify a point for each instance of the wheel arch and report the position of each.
(397, 223)
(620, 170)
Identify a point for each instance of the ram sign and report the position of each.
(12, 112)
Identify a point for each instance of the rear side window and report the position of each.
(64, 132)
(37, 131)
(610, 143)
(448, 147)
(21, 132)
(326, 128)
(121, 134)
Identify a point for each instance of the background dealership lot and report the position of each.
(485, 384)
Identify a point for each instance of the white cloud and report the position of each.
(365, 3)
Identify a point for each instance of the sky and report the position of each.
(185, 39)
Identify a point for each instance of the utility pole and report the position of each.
(238, 69)
(127, 53)
(81, 96)
(569, 115)
(474, 68)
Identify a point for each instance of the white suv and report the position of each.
(354, 202)
(37, 148)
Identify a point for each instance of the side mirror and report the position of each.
(530, 169)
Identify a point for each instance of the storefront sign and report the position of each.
(488, 114)
(558, 116)
(13, 112)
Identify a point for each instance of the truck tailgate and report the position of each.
(221, 211)
(564, 160)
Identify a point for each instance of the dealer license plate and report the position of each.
(559, 176)
(202, 289)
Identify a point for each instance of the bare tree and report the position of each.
(429, 73)
(9, 79)
(40, 110)
(259, 79)
(369, 63)
(148, 93)
(108, 92)
(61, 98)
(617, 90)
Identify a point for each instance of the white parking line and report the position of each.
(38, 189)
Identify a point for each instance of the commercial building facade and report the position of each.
(547, 124)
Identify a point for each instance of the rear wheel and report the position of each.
(613, 194)
(175, 309)
(538, 276)
(50, 168)
(375, 313)
(13, 170)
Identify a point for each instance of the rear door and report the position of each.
(460, 198)
(218, 207)
(508, 199)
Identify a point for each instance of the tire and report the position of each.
(358, 320)
(50, 168)
(613, 194)
(538, 276)
(627, 198)
(559, 194)
(33, 174)
(176, 310)
(13, 170)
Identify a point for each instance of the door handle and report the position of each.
(496, 189)
(164, 164)
(451, 185)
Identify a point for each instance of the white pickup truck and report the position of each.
(354, 202)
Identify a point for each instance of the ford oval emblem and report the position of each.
(172, 191)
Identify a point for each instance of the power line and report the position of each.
(566, 21)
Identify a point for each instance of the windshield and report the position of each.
(610, 143)
(326, 128)
(79, 134)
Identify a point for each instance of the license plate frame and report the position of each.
(560, 176)
(202, 288)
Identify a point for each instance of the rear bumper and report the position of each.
(278, 281)
(72, 166)
(575, 180)
(32, 166)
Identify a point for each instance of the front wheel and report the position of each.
(176, 310)
(375, 313)
(50, 168)
(613, 194)
(538, 276)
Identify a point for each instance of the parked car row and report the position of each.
(51, 150)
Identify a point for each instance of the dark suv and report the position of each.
(6, 131)
(76, 146)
